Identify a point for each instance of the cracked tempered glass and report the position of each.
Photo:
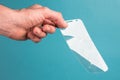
(80, 43)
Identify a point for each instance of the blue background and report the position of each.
(51, 59)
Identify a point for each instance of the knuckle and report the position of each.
(53, 31)
(22, 10)
(45, 8)
(36, 4)
(43, 35)
(59, 13)
(34, 31)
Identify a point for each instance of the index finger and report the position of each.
(55, 17)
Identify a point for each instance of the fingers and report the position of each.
(48, 29)
(49, 19)
(38, 32)
(46, 21)
(33, 37)
(41, 32)
(55, 17)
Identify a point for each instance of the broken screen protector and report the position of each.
(80, 43)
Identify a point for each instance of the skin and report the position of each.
(29, 23)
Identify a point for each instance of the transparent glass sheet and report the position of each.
(80, 43)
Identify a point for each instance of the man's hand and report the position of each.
(29, 23)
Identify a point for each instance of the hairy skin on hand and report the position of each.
(29, 23)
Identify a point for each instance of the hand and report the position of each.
(29, 23)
